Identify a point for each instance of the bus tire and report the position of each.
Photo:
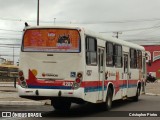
(61, 105)
(108, 103)
(109, 99)
(136, 98)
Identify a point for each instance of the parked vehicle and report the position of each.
(151, 78)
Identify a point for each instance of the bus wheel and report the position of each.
(109, 99)
(61, 105)
(136, 98)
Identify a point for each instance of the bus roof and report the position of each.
(114, 40)
(94, 34)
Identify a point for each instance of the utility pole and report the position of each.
(54, 21)
(117, 34)
(38, 13)
(13, 54)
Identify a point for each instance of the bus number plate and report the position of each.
(67, 83)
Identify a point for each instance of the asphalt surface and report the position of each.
(120, 110)
(9, 100)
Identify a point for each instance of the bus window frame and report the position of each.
(91, 51)
(139, 59)
(112, 56)
(133, 58)
(117, 56)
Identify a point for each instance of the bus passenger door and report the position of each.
(125, 75)
(101, 73)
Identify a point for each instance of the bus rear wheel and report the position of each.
(109, 99)
(61, 105)
(136, 98)
(108, 103)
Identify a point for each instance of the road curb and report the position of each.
(152, 94)
(22, 103)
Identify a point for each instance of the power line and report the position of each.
(148, 36)
(22, 20)
(10, 44)
(10, 38)
(10, 30)
(9, 33)
(89, 22)
(9, 47)
(13, 45)
(142, 40)
(10, 19)
(8, 51)
(124, 21)
(9, 55)
(137, 29)
(118, 21)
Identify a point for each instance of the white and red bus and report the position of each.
(73, 65)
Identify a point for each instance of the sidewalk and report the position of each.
(153, 88)
(9, 96)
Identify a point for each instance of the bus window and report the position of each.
(109, 54)
(144, 66)
(51, 40)
(125, 63)
(139, 60)
(91, 51)
(133, 58)
(118, 55)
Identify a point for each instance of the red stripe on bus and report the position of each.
(34, 81)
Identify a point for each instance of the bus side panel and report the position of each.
(132, 82)
(91, 82)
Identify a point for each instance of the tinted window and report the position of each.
(91, 51)
(118, 55)
(109, 54)
(133, 58)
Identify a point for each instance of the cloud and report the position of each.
(93, 14)
(17, 8)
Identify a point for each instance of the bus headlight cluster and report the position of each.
(78, 80)
(22, 80)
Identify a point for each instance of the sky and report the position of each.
(138, 21)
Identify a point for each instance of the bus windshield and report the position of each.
(51, 40)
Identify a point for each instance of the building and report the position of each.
(2, 60)
(153, 59)
(7, 69)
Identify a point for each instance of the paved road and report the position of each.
(148, 102)
(88, 111)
